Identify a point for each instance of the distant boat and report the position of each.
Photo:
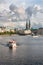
(27, 31)
(24, 32)
(35, 36)
(12, 44)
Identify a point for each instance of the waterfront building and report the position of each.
(14, 25)
(40, 31)
(2, 29)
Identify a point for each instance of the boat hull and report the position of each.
(25, 32)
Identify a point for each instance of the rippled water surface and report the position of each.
(29, 51)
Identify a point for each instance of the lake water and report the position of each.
(29, 51)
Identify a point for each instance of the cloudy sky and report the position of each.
(24, 3)
(36, 4)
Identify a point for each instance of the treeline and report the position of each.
(7, 33)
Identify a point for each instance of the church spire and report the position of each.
(28, 24)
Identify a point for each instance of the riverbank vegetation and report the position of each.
(7, 33)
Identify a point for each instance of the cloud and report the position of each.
(37, 21)
(5, 1)
(13, 8)
(36, 9)
(2, 1)
(4, 6)
(33, 10)
(23, 4)
(36, 15)
(22, 13)
(19, 12)
(29, 11)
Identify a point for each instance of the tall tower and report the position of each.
(27, 24)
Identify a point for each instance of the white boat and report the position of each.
(24, 32)
(12, 44)
(35, 36)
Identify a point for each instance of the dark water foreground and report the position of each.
(29, 51)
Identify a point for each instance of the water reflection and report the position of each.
(12, 51)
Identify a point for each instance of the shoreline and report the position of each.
(17, 34)
(8, 35)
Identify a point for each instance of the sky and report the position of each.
(24, 3)
(4, 4)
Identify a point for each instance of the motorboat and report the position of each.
(35, 36)
(12, 44)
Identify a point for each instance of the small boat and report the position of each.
(12, 43)
(35, 36)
